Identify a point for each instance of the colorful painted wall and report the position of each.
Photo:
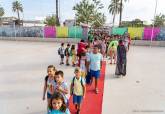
(136, 33)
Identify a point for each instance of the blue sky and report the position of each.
(38, 9)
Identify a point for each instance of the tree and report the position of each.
(159, 20)
(114, 8)
(2, 12)
(88, 12)
(17, 7)
(121, 11)
(50, 21)
(57, 18)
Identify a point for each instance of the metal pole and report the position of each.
(152, 33)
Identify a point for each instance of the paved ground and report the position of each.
(23, 68)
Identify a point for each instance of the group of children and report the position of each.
(87, 69)
(87, 58)
(57, 91)
(67, 52)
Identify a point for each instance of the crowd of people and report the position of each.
(87, 59)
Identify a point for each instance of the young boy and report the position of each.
(78, 89)
(95, 60)
(67, 54)
(61, 52)
(61, 86)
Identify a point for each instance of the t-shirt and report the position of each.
(58, 112)
(81, 47)
(78, 89)
(115, 43)
(64, 86)
(50, 84)
(95, 60)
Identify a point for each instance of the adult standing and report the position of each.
(121, 59)
(80, 50)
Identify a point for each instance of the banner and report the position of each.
(49, 32)
(75, 32)
(161, 36)
(62, 32)
(136, 33)
(119, 31)
(148, 33)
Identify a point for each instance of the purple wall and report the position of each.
(49, 32)
(148, 33)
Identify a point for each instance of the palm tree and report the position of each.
(57, 18)
(2, 12)
(17, 7)
(121, 11)
(114, 8)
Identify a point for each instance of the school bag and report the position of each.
(59, 51)
(73, 84)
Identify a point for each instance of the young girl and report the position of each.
(73, 51)
(49, 83)
(58, 105)
(83, 65)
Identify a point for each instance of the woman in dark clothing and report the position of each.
(121, 59)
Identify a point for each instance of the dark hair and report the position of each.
(62, 44)
(68, 44)
(96, 46)
(82, 41)
(120, 41)
(57, 96)
(73, 47)
(61, 73)
(52, 66)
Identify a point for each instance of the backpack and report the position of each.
(73, 84)
(67, 53)
(46, 78)
(59, 51)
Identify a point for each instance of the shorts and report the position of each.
(77, 99)
(95, 74)
(49, 95)
(62, 56)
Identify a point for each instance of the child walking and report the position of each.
(73, 54)
(78, 89)
(83, 65)
(49, 83)
(58, 105)
(61, 52)
(61, 86)
(67, 54)
(95, 61)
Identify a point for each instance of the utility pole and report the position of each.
(153, 26)
(57, 18)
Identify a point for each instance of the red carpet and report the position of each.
(92, 104)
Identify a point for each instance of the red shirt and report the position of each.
(81, 47)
